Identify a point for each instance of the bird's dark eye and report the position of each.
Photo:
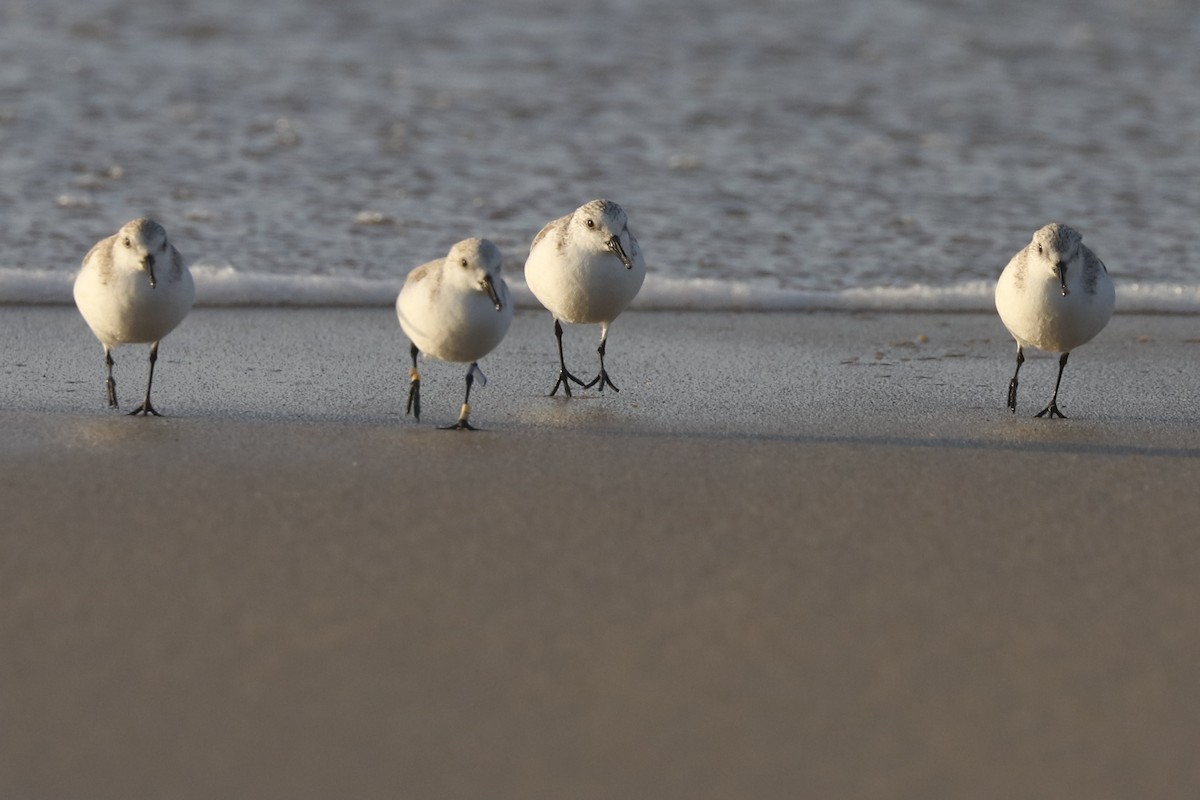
(591, 223)
(1039, 248)
(127, 242)
(464, 262)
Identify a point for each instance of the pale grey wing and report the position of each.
(422, 272)
(1018, 265)
(101, 254)
(559, 224)
(176, 271)
(1091, 261)
(635, 249)
(425, 279)
(1093, 268)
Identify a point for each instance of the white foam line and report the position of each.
(225, 286)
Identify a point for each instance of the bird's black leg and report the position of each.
(1012, 385)
(110, 384)
(465, 411)
(564, 377)
(414, 387)
(1052, 409)
(602, 378)
(145, 408)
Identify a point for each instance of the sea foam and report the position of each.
(222, 285)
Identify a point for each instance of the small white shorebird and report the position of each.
(584, 268)
(455, 309)
(1054, 295)
(134, 289)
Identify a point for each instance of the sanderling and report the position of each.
(1054, 295)
(585, 267)
(455, 309)
(133, 289)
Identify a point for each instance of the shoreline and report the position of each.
(219, 286)
(351, 363)
(798, 554)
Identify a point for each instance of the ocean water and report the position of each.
(771, 154)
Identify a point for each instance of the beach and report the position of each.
(805, 551)
(799, 555)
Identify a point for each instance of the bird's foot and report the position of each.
(413, 406)
(601, 381)
(111, 386)
(1052, 410)
(145, 409)
(564, 380)
(462, 424)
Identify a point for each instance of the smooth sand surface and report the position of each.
(797, 556)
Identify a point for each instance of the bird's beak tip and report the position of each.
(1062, 279)
(619, 252)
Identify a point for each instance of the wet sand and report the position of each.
(797, 555)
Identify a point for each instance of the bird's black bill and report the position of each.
(148, 263)
(1062, 279)
(489, 286)
(614, 244)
